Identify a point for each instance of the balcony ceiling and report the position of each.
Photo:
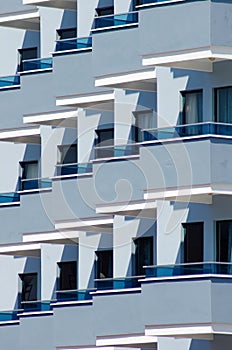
(103, 100)
(64, 118)
(21, 135)
(61, 4)
(27, 20)
(94, 224)
(57, 237)
(144, 80)
(190, 194)
(141, 209)
(199, 59)
(21, 249)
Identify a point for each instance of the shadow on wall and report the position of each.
(32, 266)
(30, 48)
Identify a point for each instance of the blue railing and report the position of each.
(118, 283)
(115, 20)
(37, 305)
(9, 197)
(116, 151)
(74, 295)
(74, 44)
(37, 64)
(187, 130)
(13, 80)
(35, 184)
(73, 169)
(203, 268)
(6, 316)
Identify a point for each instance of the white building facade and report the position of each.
(115, 181)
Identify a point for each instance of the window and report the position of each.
(143, 254)
(67, 275)
(28, 286)
(105, 137)
(104, 264)
(223, 105)
(223, 241)
(30, 174)
(192, 110)
(143, 120)
(67, 33)
(105, 11)
(27, 54)
(193, 242)
(67, 154)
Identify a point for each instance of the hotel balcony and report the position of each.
(10, 82)
(76, 92)
(36, 65)
(185, 34)
(73, 45)
(128, 72)
(190, 159)
(60, 4)
(187, 300)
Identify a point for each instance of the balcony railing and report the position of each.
(187, 130)
(201, 268)
(37, 305)
(73, 169)
(36, 64)
(74, 44)
(10, 81)
(74, 295)
(148, 2)
(35, 184)
(116, 151)
(118, 283)
(6, 198)
(6, 316)
(116, 20)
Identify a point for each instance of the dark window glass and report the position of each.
(143, 254)
(30, 170)
(27, 54)
(105, 137)
(67, 275)
(67, 154)
(104, 264)
(29, 286)
(223, 241)
(68, 33)
(192, 107)
(105, 11)
(193, 242)
(223, 105)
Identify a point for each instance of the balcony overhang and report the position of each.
(94, 224)
(21, 135)
(21, 249)
(60, 4)
(103, 100)
(195, 194)
(27, 20)
(64, 118)
(56, 237)
(130, 340)
(141, 209)
(194, 331)
(144, 80)
(201, 59)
